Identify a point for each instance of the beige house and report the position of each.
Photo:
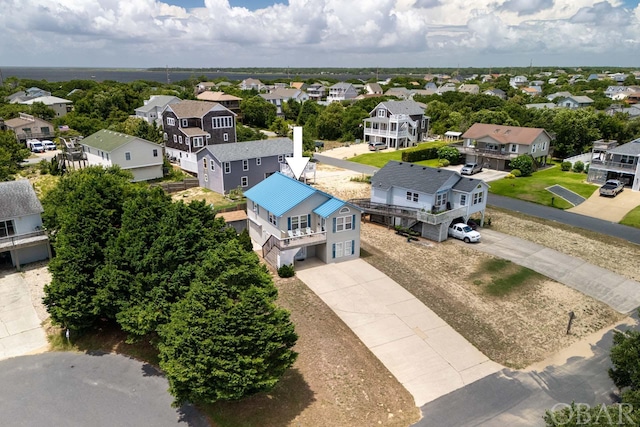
(59, 105)
(494, 146)
(26, 126)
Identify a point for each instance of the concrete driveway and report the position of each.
(427, 356)
(608, 208)
(20, 330)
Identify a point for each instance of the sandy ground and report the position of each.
(37, 275)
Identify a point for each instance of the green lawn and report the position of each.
(380, 158)
(632, 218)
(533, 188)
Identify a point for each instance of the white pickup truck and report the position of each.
(463, 232)
(611, 188)
(35, 145)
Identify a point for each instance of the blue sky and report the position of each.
(317, 33)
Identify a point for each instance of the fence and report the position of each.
(173, 187)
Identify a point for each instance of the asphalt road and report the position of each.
(345, 164)
(74, 389)
(576, 220)
(520, 398)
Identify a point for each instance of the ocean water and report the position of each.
(54, 74)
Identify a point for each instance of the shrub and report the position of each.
(286, 270)
(524, 163)
(422, 152)
(578, 167)
(449, 153)
(586, 168)
(443, 163)
(510, 176)
(565, 166)
(43, 165)
(516, 173)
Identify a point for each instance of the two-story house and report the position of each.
(341, 92)
(397, 124)
(494, 146)
(151, 110)
(140, 157)
(190, 125)
(616, 162)
(252, 84)
(425, 199)
(225, 167)
(279, 96)
(316, 92)
(22, 239)
(293, 221)
(60, 105)
(26, 126)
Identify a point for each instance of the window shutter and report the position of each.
(353, 222)
(334, 225)
(289, 223)
(353, 247)
(308, 220)
(333, 248)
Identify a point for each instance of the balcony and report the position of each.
(439, 218)
(486, 152)
(25, 240)
(613, 166)
(387, 133)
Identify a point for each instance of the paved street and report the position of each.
(74, 389)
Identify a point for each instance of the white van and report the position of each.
(375, 146)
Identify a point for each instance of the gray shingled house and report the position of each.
(225, 167)
(423, 198)
(397, 124)
(22, 239)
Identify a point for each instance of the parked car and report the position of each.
(49, 145)
(463, 232)
(470, 169)
(611, 188)
(35, 146)
(375, 146)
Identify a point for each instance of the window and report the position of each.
(204, 163)
(478, 197)
(225, 137)
(258, 161)
(180, 139)
(185, 123)
(127, 156)
(165, 136)
(348, 248)
(206, 178)
(244, 181)
(533, 148)
(175, 138)
(187, 140)
(6, 228)
(344, 223)
(514, 148)
(212, 165)
(544, 145)
(272, 219)
(222, 122)
(27, 131)
(441, 199)
(280, 158)
(102, 155)
(208, 137)
(107, 156)
(171, 121)
(463, 200)
(198, 141)
(245, 165)
(338, 250)
(412, 197)
(44, 130)
(382, 113)
(155, 152)
(299, 222)
(227, 167)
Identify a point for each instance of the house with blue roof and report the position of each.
(293, 221)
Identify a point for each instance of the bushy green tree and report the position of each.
(451, 154)
(226, 339)
(280, 127)
(11, 155)
(245, 133)
(352, 123)
(329, 122)
(258, 112)
(524, 163)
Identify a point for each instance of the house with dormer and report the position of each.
(293, 221)
(189, 126)
(252, 84)
(425, 199)
(151, 110)
(494, 146)
(397, 124)
(316, 92)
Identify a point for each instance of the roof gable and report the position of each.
(109, 141)
(189, 108)
(249, 149)
(504, 134)
(411, 176)
(410, 108)
(279, 193)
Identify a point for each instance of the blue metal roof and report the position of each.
(279, 193)
(329, 207)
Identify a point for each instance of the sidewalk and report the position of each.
(427, 356)
(618, 292)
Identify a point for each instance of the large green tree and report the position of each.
(258, 112)
(226, 339)
(329, 122)
(11, 155)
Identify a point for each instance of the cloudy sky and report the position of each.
(316, 33)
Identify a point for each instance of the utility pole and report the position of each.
(168, 80)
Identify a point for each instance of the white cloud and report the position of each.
(316, 33)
